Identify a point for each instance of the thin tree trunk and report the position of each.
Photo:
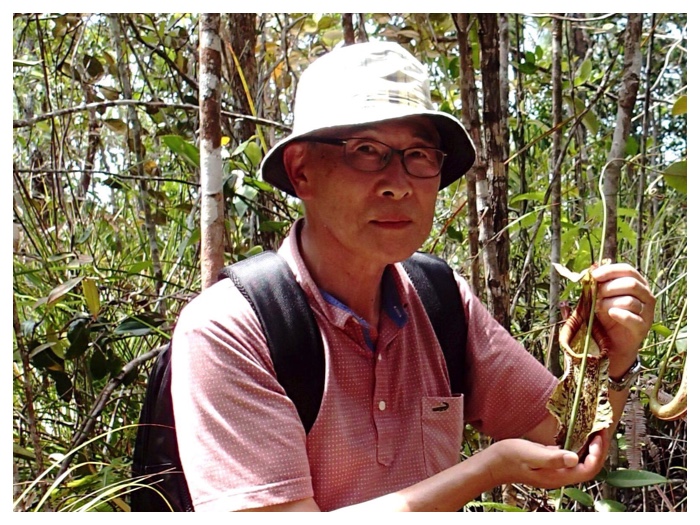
(348, 30)
(29, 410)
(241, 31)
(555, 207)
(470, 118)
(211, 169)
(497, 281)
(137, 152)
(503, 49)
(641, 187)
(632, 67)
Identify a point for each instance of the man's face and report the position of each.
(381, 216)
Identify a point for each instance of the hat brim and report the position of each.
(455, 142)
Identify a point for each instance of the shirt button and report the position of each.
(379, 357)
(382, 405)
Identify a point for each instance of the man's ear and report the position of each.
(294, 159)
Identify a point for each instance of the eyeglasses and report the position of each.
(372, 155)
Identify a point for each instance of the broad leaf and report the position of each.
(98, 364)
(579, 496)
(92, 296)
(609, 505)
(680, 107)
(138, 325)
(182, 148)
(634, 478)
(676, 176)
(62, 289)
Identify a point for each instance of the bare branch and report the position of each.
(152, 104)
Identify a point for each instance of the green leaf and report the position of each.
(109, 93)
(454, 233)
(22, 453)
(632, 146)
(634, 478)
(537, 196)
(62, 289)
(64, 385)
(93, 67)
(662, 330)
(492, 505)
(332, 37)
(45, 358)
(325, 22)
(608, 505)
(254, 153)
(576, 106)
(273, 226)
(626, 232)
(98, 364)
(79, 337)
(21, 63)
(138, 267)
(453, 68)
(676, 176)
(527, 68)
(138, 325)
(115, 124)
(253, 251)
(680, 107)
(579, 496)
(184, 149)
(259, 184)
(92, 296)
(584, 72)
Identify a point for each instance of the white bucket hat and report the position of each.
(366, 83)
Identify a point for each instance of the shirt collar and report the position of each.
(334, 310)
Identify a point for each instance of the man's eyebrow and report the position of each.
(419, 133)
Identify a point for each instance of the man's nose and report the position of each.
(395, 180)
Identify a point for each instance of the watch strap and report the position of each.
(626, 380)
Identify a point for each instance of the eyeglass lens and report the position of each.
(372, 155)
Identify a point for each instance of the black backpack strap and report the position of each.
(290, 328)
(438, 291)
(156, 454)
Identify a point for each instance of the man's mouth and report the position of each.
(393, 223)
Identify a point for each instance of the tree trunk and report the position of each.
(348, 30)
(555, 208)
(136, 151)
(503, 49)
(241, 32)
(632, 67)
(641, 186)
(470, 118)
(211, 170)
(497, 281)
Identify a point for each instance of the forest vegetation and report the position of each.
(580, 126)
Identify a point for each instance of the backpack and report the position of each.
(288, 323)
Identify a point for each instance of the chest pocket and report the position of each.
(442, 425)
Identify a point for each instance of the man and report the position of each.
(367, 157)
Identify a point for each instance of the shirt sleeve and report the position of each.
(507, 388)
(241, 441)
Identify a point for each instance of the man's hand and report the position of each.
(548, 467)
(625, 307)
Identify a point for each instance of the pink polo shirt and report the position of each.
(387, 419)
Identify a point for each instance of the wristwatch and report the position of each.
(626, 380)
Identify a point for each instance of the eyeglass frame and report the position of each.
(343, 142)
